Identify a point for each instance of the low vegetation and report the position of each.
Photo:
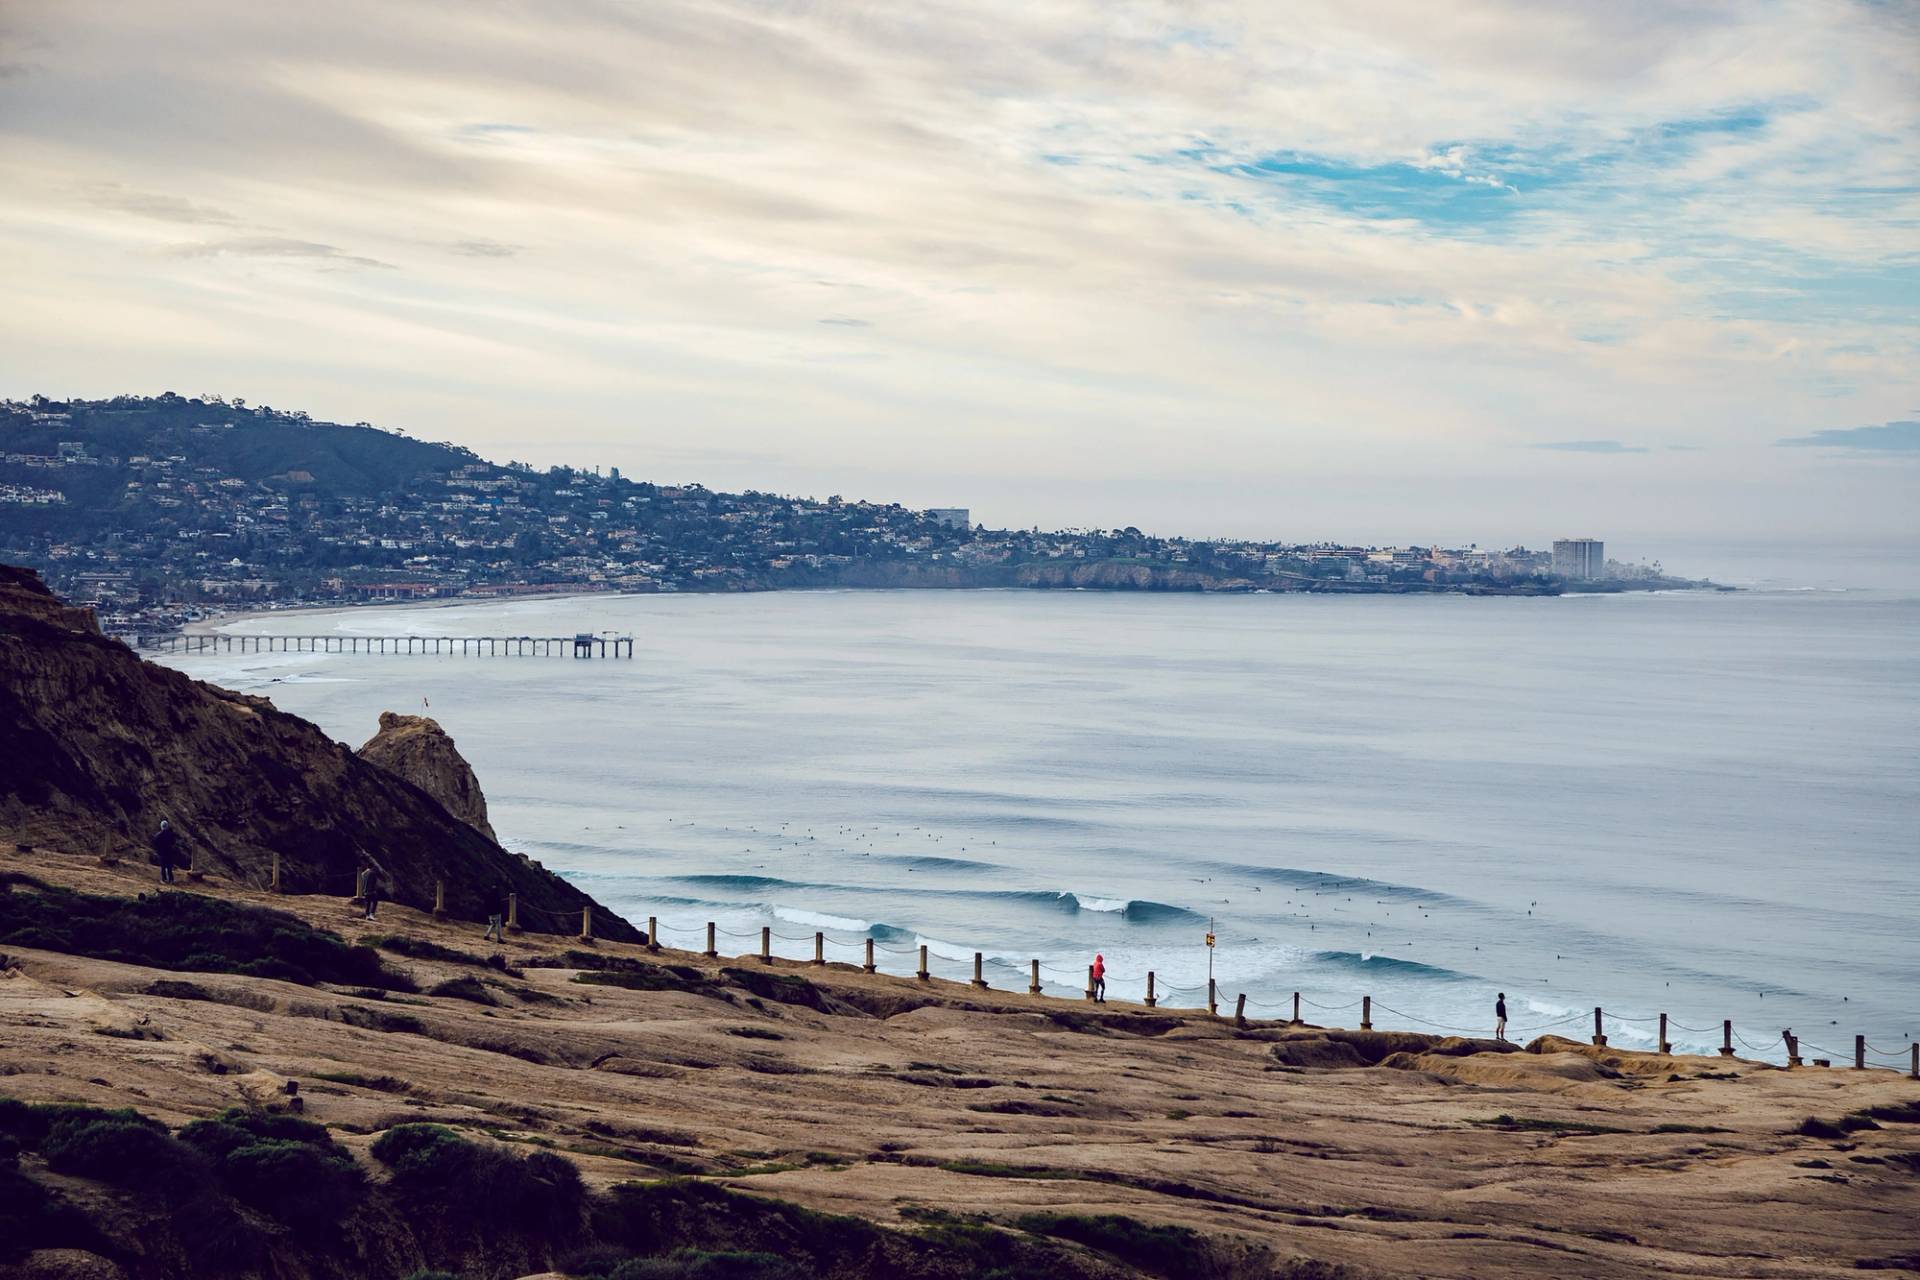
(191, 932)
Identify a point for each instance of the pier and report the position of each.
(581, 645)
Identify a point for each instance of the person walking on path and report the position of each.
(1099, 979)
(166, 850)
(1500, 1018)
(495, 932)
(373, 890)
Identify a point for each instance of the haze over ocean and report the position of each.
(1699, 803)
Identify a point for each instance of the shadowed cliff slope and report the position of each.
(97, 746)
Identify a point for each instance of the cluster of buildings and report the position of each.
(159, 510)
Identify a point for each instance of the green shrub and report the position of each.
(483, 1186)
(422, 949)
(698, 1264)
(30, 1123)
(189, 931)
(284, 1165)
(128, 1153)
(32, 1217)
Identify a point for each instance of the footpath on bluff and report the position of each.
(904, 1103)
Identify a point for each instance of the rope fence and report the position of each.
(365, 887)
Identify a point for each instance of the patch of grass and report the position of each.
(782, 988)
(463, 988)
(639, 976)
(1021, 1107)
(189, 931)
(379, 1084)
(1179, 1114)
(283, 1165)
(754, 1033)
(1895, 1112)
(1536, 1125)
(423, 949)
(998, 1169)
(700, 1264)
(1168, 1251)
(1815, 1127)
(1687, 1128)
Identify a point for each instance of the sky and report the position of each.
(1387, 272)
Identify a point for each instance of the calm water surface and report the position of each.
(1704, 804)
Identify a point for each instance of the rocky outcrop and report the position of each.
(97, 746)
(418, 749)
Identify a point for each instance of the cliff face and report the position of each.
(418, 749)
(97, 746)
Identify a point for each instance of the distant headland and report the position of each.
(157, 510)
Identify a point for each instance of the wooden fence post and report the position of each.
(1913, 1072)
(1366, 1013)
(1859, 1053)
(1150, 997)
(1296, 1008)
(653, 934)
(978, 980)
(439, 899)
(273, 880)
(1599, 1034)
(1726, 1038)
(1033, 984)
(712, 951)
(1793, 1050)
(1666, 1045)
(359, 887)
(586, 924)
(513, 913)
(819, 947)
(923, 975)
(766, 944)
(1240, 1010)
(1213, 999)
(1089, 982)
(869, 966)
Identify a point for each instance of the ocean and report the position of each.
(1703, 804)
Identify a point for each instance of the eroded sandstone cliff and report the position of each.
(97, 746)
(418, 749)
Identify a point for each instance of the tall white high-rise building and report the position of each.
(1580, 559)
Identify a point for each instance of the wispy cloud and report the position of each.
(275, 247)
(1590, 446)
(163, 208)
(484, 248)
(1888, 437)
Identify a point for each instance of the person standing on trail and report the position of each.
(1500, 1017)
(494, 931)
(373, 875)
(166, 850)
(1099, 979)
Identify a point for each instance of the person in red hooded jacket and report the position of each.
(1100, 979)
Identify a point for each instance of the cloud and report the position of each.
(848, 321)
(164, 208)
(1890, 437)
(274, 247)
(1590, 446)
(484, 248)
